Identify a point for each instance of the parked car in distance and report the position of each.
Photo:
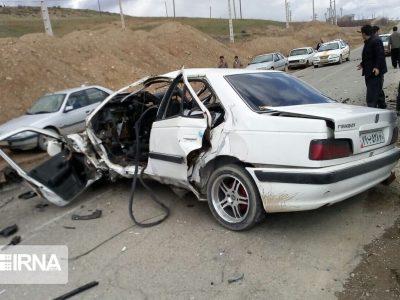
(248, 142)
(301, 57)
(63, 112)
(270, 61)
(385, 40)
(332, 52)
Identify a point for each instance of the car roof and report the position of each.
(214, 72)
(301, 48)
(76, 89)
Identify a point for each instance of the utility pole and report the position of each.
(313, 10)
(334, 9)
(240, 7)
(234, 8)
(173, 4)
(98, 3)
(166, 9)
(46, 18)
(210, 9)
(287, 13)
(232, 38)
(122, 15)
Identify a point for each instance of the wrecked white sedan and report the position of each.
(246, 141)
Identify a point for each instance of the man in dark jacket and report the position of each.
(373, 67)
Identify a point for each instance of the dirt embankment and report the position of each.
(35, 64)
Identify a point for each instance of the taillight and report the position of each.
(395, 135)
(330, 149)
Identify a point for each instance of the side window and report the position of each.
(182, 103)
(310, 51)
(77, 100)
(276, 58)
(95, 95)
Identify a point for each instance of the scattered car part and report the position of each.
(41, 206)
(27, 195)
(69, 227)
(15, 241)
(78, 290)
(10, 230)
(95, 215)
(236, 279)
(11, 176)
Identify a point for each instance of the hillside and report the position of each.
(102, 53)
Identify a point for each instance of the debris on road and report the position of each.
(10, 230)
(69, 227)
(27, 195)
(11, 176)
(123, 249)
(5, 202)
(95, 215)
(78, 290)
(236, 279)
(41, 206)
(15, 241)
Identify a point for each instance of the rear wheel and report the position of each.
(272, 68)
(315, 66)
(234, 199)
(348, 57)
(340, 60)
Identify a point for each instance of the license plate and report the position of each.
(372, 138)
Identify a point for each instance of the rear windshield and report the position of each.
(268, 89)
(47, 104)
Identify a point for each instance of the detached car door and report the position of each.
(178, 131)
(60, 177)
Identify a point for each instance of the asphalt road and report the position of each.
(305, 255)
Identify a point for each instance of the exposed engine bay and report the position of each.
(114, 125)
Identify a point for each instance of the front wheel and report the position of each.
(234, 199)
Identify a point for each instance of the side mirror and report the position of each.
(68, 108)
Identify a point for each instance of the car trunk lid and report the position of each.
(368, 128)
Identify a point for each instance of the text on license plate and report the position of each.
(372, 138)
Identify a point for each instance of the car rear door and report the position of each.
(179, 130)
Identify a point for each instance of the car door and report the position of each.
(61, 176)
(75, 112)
(178, 131)
(94, 97)
(280, 62)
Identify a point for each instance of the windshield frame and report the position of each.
(304, 49)
(267, 109)
(337, 43)
(64, 96)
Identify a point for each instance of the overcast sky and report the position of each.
(256, 9)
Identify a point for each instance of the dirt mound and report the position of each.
(36, 64)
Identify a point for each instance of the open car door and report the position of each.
(59, 178)
(177, 132)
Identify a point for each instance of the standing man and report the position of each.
(222, 63)
(394, 47)
(237, 64)
(373, 67)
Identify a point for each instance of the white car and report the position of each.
(334, 52)
(385, 40)
(246, 141)
(301, 57)
(63, 112)
(270, 61)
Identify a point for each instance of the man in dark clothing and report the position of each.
(394, 44)
(375, 33)
(373, 67)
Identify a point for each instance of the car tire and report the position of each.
(42, 140)
(272, 68)
(241, 206)
(340, 60)
(315, 66)
(348, 58)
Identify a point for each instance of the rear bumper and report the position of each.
(305, 189)
(297, 64)
(328, 61)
